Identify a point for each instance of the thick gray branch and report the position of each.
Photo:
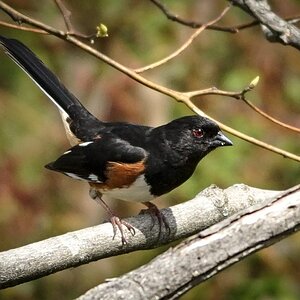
(80, 247)
(275, 28)
(177, 270)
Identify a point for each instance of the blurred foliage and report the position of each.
(36, 204)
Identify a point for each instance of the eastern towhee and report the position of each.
(121, 160)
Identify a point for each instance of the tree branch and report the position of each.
(185, 45)
(241, 95)
(24, 28)
(66, 15)
(194, 24)
(80, 247)
(275, 29)
(270, 118)
(202, 256)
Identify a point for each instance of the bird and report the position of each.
(121, 160)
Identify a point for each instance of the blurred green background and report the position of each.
(37, 204)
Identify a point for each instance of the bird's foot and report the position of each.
(116, 222)
(162, 220)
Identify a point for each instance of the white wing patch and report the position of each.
(94, 178)
(84, 144)
(72, 175)
(91, 177)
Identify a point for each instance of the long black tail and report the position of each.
(44, 78)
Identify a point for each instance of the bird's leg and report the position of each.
(155, 212)
(114, 220)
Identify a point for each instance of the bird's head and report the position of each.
(194, 136)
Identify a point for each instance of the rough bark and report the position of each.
(80, 247)
(274, 27)
(177, 270)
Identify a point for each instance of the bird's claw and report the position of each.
(117, 224)
(155, 213)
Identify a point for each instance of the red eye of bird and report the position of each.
(198, 133)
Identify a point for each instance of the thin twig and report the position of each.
(243, 136)
(274, 27)
(20, 18)
(44, 28)
(188, 23)
(66, 15)
(215, 91)
(19, 27)
(178, 96)
(258, 110)
(240, 95)
(195, 24)
(184, 46)
(41, 31)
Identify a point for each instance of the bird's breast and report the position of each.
(138, 191)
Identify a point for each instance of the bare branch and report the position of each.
(70, 28)
(198, 258)
(291, 20)
(215, 91)
(240, 95)
(80, 247)
(184, 46)
(66, 14)
(195, 24)
(192, 24)
(21, 18)
(24, 28)
(274, 27)
(267, 116)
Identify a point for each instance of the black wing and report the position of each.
(92, 161)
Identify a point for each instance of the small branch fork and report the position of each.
(185, 45)
(272, 119)
(241, 96)
(66, 14)
(195, 24)
(184, 97)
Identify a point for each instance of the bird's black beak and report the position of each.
(221, 140)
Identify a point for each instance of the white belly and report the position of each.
(139, 191)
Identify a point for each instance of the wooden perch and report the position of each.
(176, 271)
(80, 247)
(275, 28)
